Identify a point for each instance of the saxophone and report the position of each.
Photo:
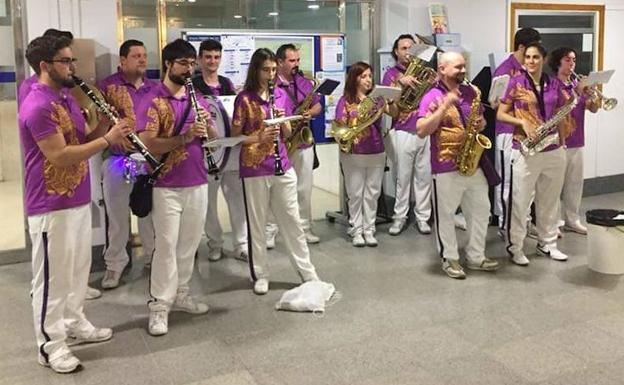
(547, 133)
(426, 77)
(474, 143)
(368, 112)
(302, 134)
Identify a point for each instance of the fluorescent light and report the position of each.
(191, 1)
(273, 13)
(238, 16)
(314, 6)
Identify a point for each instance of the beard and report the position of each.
(460, 78)
(66, 82)
(179, 79)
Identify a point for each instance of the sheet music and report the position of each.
(598, 77)
(386, 92)
(497, 90)
(283, 119)
(224, 142)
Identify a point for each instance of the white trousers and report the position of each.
(279, 195)
(541, 174)
(363, 176)
(302, 162)
(413, 169)
(450, 190)
(61, 260)
(502, 160)
(572, 191)
(116, 193)
(232, 188)
(179, 215)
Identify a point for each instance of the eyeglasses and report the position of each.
(65, 60)
(186, 63)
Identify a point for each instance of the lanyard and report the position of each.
(539, 95)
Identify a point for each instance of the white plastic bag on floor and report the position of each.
(310, 296)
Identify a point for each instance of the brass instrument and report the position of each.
(278, 168)
(303, 133)
(547, 133)
(213, 169)
(426, 77)
(368, 112)
(104, 108)
(474, 143)
(604, 102)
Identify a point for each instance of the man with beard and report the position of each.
(56, 150)
(124, 90)
(291, 80)
(444, 113)
(212, 85)
(168, 125)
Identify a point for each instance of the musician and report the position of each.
(412, 152)
(533, 98)
(511, 66)
(363, 166)
(124, 90)
(264, 191)
(444, 113)
(297, 88)
(169, 125)
(562, 61)
(211, 84)
(56, 147)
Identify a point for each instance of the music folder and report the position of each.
(224, 142)
(497, 90)
(388, 93)
(327, 87)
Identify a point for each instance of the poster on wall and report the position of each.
(331, 100)
(332, 53)
(438, 18)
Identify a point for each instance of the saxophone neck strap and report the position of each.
(539, 95)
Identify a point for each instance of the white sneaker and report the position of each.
(261, 286)
(552, 252)
(453, 269)
(158, 322)
(92, 293)
(370, 240)
(358, 240)
(241, 255)
(531, 230)
(423, 227)
(575, 227)
(311, 237)
(184, 302)
(96, 335)
(215, 254)
(270, 239)
(460, 221)
(111, 279)
(66, 363)
(520, 260)
(397, 226)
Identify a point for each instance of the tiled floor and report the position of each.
(399, 321)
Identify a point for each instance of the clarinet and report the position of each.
(213, 169)
(279, 170)
(105, 109)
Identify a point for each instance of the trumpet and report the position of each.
(604, 102)
(279, 169)
(213, 169)
(105, 109)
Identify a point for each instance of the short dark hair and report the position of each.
(554, 60)
(396, 43)
(539, 47)
(281, 51)
(58, 33)
(210, 45)
(526, 36)
(124, 49)
(177, 49)
(252, 83)
(355, 70)
(44, 48)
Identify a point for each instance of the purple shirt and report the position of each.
(406, 121)
(296, 95)
(370, 140)
(45, 112)
(162, 113)
(525, 105)
(250, 110)
(447, 139)
(576, 131)
(24, 89)
(511, 67)
(125, 97)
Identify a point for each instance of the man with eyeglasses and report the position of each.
(167, 125)
(124, 90)
(57, 146)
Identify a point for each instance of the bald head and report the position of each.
(447, 58)
(452, 68)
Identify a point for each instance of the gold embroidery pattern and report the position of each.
(352, 115)
(252, 155)
(64, 180)
(568, 124)
(450, 134)
(120, 98)
(161, 118)
(528, 109)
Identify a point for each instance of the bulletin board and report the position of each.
(322, 56)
